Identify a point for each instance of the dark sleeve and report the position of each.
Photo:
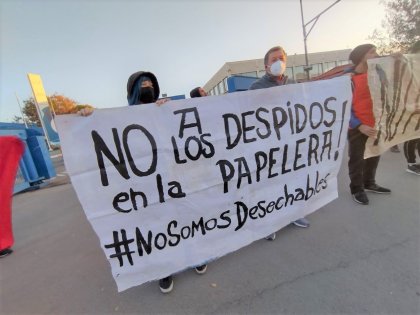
(354, 122)
(256, 85)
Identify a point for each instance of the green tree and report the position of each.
(17, 119)
(60, 103)
(400, 28)
(29, 110)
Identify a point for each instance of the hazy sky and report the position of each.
(86, 50)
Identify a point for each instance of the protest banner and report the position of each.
(172, 187)
(394, 85)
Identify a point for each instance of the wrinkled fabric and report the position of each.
(11, 150)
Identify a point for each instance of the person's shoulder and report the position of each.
(290, 80)
(349, 70)
(257, 84)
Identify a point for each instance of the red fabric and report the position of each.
(362, 101)
(11, 150)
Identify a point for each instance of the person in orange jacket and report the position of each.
(362, 171)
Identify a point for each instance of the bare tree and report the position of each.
(400, 28)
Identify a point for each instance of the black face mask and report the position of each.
(147, 95)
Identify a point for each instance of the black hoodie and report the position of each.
(132, 84)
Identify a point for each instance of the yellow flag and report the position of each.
(37, 88)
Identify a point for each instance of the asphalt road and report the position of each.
(353, 259)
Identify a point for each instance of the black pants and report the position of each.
(410, 150)
(361, 171)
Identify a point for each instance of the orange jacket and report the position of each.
(361, 111)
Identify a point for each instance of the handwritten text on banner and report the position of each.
(171, 187)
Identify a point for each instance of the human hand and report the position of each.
(162, 101)
(368, 131)
(87, 111)
(398, 56)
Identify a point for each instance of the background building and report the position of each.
(320, 62)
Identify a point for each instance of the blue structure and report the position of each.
(238, 83)
(177, 97)
(35, 165)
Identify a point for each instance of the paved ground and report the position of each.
(353, 260)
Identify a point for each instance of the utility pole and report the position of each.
(308, 68)
(21, 111)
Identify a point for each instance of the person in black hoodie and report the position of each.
(143, 88)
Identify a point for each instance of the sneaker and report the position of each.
(302, 222)
(271, 237)
(377, 189)
(415, 169)
(201, 269)
(360, 197)
(5, 252)
(166, 284)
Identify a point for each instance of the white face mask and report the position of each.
(278, 68)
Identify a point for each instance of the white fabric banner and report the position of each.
(394, 84)
(172, 187)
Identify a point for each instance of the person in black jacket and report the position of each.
(411, 146)
(275, 61)
(198, 92)
(143, 88)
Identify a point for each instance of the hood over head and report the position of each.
(134, 86)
